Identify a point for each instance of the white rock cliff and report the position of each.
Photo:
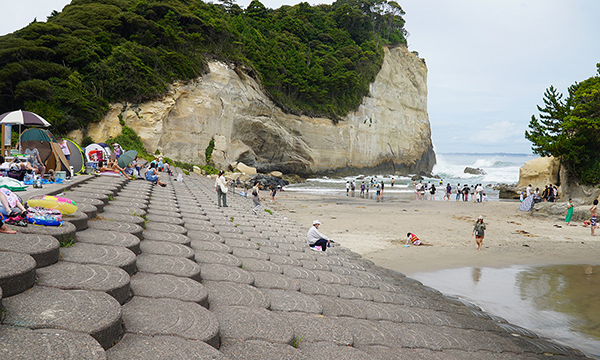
(390, 130)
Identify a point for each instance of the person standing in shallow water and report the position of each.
(479, 232)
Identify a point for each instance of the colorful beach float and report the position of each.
(64, 205)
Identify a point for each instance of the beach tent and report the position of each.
(50, 152)
(96, 147)
(77, 160)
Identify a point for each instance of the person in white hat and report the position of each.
(315, 239)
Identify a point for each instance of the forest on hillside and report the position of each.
(314, 60)
(568, 127)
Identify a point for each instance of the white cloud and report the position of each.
(499, 133)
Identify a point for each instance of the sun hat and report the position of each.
(316, 222)
(480, 217)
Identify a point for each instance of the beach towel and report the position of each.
(527, 204)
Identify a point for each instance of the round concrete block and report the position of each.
(187, 320)
(351, 292)
(100, 254)
(200, 226)
(254, 234)
(293, 301)
(88, 209)
(87, 197)
(127, 210)
(333, 306)
(210, 246)
(195, 219)
(141, 198)
(170, 265)
(166, 248)
(164, 213)
(136, 194)
(244, 244)
(213, 257)
(91, 312)
(205, 236)
(64, 233)
(109, 225)
(190, 211)
(315, 329)
(333, 351)
(291, 247)
(159, 207)
(218, 272)
(266, 243)
(73, 276)
(261, 265)
(311, 287)
(251, 323)
(20, 343)
(177, 229)
(345, 271)
(284, 260)
(297, 272)
(223, 293)
(269, 280)
(164, 219)
(313, 265)
(366, 275)
(258, 349)
(223, 229)
(169, 286)
(362, 283)
(166, 236)
(132, 219)
(129, 203)
(326, 260)
(226, 222)
(250, 253)
(330, 278)
(231, 235)
(44, 249)
(17, 272)
(113, 238)
(141, 347)
(282, 240)
(302, 255)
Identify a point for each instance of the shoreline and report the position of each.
(377, 231)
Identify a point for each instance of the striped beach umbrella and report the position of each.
(20, 117)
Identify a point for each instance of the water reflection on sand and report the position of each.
(560, 302)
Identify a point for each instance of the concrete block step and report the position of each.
(91, 312)
(17, 272)
(44, 249)
(113, 238)
(102, 255)
(74, 276)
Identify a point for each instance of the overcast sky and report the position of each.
(489, 61)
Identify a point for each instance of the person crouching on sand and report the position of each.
(412, 238)
(479, 232)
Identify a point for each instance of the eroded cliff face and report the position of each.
(389, 131)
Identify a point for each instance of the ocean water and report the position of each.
(558, 302)
(500, 168)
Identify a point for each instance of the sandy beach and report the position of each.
(377, 231)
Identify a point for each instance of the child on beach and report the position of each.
(412, 238)
(479, 232)
(594, 211)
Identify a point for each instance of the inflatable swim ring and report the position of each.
(64, 205)
(44, 222)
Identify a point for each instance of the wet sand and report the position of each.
(377, 231)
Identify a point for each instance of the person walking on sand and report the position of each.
(569, 211)
(458, 193)
(479, 232)
(448, 192)
(594, 211)
(347, 187)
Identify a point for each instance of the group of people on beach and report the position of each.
(462, 193)
(364, 187)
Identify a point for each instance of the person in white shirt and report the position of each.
(528, 190)
(479, 193)
(314, 238)
(221, 188)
